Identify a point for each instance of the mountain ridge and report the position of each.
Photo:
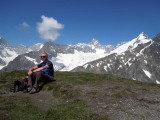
(137, 63)
(129, 59)
(59, 51)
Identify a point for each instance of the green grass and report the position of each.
(76, 110)
(69, 77)
(10, 77)
(21, 108)
(12, 108)
(88, 78)
(65, 80)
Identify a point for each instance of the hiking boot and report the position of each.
(41, 84)
(34, 90)
(29, 89)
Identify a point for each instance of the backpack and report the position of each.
(20, 85)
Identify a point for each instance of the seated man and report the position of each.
(41, 72)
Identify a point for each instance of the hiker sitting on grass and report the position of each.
(42, 72)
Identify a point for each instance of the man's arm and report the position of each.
(41, 68)
(32, 69)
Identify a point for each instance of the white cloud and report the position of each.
(48, 28)
(24, 25)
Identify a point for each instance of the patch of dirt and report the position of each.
(123, 101)
(117, 100)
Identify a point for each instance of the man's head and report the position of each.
(44, 56)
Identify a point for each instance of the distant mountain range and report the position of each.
(137, 59)
(64, 57)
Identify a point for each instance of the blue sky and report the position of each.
(72, 21)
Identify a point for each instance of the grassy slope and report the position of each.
(78, 95)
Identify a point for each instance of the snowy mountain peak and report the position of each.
(94, 42)
(21, 45)
(141, 39)
(36, 47)
(39, 45)
(142, 36)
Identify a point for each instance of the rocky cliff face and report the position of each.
(138, 59)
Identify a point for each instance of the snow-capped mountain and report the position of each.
(7, 53)
(93, 47)
(66, 62)
(36, 47)
(137, 59)
(20, 49)
(64, 57)
(141, 39)
(95, 42)
(80, 54)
